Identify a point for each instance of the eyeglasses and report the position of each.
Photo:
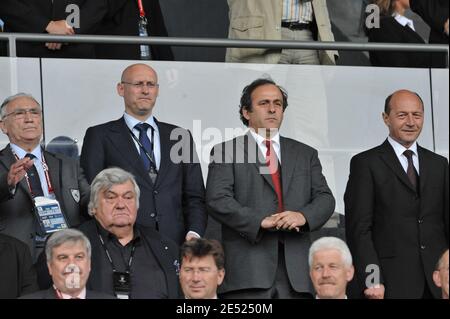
(20, 114)
(141, 85)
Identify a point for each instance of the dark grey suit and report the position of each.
(51, 294)
(17, 217)
(239, 197)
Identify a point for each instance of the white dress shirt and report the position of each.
(404, 21)
(399, 149)
(131, 123)
(261, 141)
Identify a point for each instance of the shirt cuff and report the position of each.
(193, 233)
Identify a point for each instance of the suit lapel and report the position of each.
(287, 163)
(7, 158)
(166, 145)
(167, 265)
(248, 144)
(424, 168)
(54, 171)
(121, 139)
(389, 157)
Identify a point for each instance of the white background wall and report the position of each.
(334, 109)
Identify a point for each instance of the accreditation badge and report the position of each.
(49, 214)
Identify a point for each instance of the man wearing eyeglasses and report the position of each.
(172, 188)
(40, 192)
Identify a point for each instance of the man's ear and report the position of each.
(120, 89)
(437, 278)
(3, 127)
(220, 277)
(350, 273)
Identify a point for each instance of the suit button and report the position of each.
(420, 220)
(155, 192)
(422, 247)
(152, 215)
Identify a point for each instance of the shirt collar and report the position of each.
(345, 297)
(261, 140)
(107, 236)
(82, 294)
(131, 121)
(404, 21)
(399, 149)
(21, 152)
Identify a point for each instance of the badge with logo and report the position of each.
(75, 194)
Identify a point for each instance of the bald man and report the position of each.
(172, 188)
(396, 207)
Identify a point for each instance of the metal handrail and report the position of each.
(214, 42)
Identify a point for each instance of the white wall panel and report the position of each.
(334, 109)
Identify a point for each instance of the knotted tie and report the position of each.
(146, 143)
(33, 179)
(411, 171)
(272, 164)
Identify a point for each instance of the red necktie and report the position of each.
(272, 163)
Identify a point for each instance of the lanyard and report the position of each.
(130, 261)
(47, 175)
(150, 156)
(141, 9)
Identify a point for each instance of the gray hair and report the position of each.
(12, 98)
(107, 179)
(64, 236)
(328, 243)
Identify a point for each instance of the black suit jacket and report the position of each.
(33, 16)
(435, 14)
(17, 215)
(177, 200)
(390, 225)
(164, 250)
(122, 19)
(391, 31)
(17, 273)
(50, 294)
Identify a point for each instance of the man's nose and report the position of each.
(326, 272)
(410, 120)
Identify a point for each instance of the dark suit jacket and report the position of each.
(239, 197)
(122, 19)
(177, 198)
(389, 225)
(33, 16)
(17, 273)
(17, 215)
(50, 294)
(165, 251)
(434, 13)
(391, 31)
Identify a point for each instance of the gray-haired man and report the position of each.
(330, 267)
(33, 181)
(68, 255)
(128, 260)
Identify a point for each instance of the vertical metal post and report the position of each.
(12, 52)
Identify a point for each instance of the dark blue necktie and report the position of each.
(145, 141)
(33, 179)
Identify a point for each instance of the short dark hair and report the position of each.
(246, 98)
(201, 247)
(387, 103)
